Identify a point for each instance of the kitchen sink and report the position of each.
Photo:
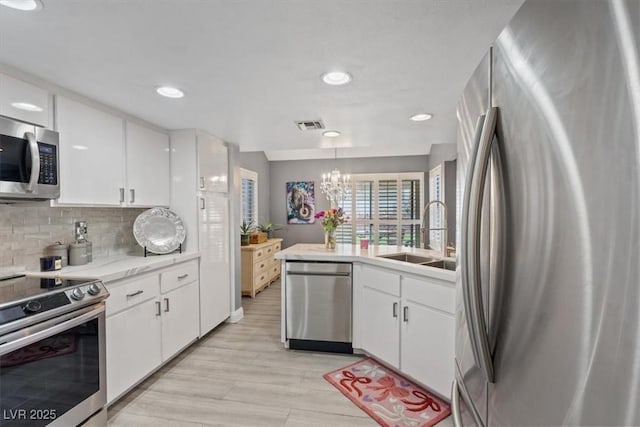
(447, 265)
(422, 260)
(410, 258)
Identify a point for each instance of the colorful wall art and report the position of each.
(301, 203)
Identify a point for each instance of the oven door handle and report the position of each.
(35, 333)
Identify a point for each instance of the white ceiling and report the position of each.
(252, 68)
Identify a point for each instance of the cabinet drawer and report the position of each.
(261, 279)
(129, 292)
(430, 292)
(261, 265)
(181, 274)
(381, 280)
(270, 250)
(274, 270)
(259, 254)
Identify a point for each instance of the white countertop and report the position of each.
(117, 267)
(353, 253)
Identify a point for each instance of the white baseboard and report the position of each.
(236, 316)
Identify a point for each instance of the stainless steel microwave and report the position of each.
(29, 162)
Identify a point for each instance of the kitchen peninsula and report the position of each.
(403, 312)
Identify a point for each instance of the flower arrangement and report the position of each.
(331, 218)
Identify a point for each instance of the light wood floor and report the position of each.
(240, 375)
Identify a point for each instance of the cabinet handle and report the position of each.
(395, 309)
(201, 182)
(183, 276)
(269, 250)
(135, 293)
(262, 265)
(201, 203)
(405, 313)
(158, 309)
(121, 194)
(166, 305)
(133, 195)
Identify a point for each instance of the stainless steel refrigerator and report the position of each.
(548, 315)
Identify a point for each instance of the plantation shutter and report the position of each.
(249, 189)
(383, 208)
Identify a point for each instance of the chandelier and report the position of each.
(335, 185)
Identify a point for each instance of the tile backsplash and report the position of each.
(26, 229)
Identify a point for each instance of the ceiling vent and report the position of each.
(310, 124)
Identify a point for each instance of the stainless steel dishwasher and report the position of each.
(318, 306)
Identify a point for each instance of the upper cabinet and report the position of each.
(91, 155)
(96, 148)
(24, 101)
(147, 166)
(213, 164)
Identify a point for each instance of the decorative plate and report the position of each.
(159, 229)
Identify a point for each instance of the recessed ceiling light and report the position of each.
(24, 5)
(26, 106)
(170, 92)
(336, 78)
(331, 133)
(80, 147)
(421, 117)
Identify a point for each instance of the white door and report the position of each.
(133, 346)
(23, 101)
(380, 325)
(428, 346)
(91, 155)
(179, 318)
(212, 164)
(215, 282)
(148, 171)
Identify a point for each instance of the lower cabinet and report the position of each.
(150, 318)
(380, 325)
(180, 323)
(408, 322)
(130, 336)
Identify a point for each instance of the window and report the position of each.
(384, 208)
(249, 180)
(436, 217)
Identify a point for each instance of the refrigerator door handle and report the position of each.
(464, 238)
(455, 404)
(479, 176)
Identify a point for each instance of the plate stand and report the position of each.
(151, 253)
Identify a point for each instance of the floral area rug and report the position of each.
(387, 397)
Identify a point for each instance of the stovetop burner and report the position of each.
(26, 300)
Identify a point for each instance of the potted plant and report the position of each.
(268, 227)
(245, 230)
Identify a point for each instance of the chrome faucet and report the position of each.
(425, 230)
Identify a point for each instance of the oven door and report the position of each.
(53, 373)
(29, 162)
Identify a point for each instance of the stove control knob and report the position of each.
(93, 289)
(32, 307)
(77, 294)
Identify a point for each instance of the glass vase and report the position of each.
(330, 239)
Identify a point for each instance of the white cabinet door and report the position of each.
(147, 166)
(133, 346)
(380, 325)
(24, 101)
(179, 319)
(212, 164)
(215, 285)
(428, 346)
(91, 155)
